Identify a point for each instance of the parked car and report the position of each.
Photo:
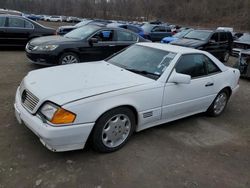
(87, 43)
(105, 102)
(55, 19)
(17, 30)
(242, 43)
(130, 27)
(32, 17)
(176, 36)
(73, 19)
(243, 63)
(65, 29)
(156, 32)
(218, 42)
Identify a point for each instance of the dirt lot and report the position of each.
(194, 152)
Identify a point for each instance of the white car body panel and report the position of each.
(91, 89)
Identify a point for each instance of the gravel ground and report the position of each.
(198, 151)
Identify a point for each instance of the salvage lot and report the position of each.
(194, 152)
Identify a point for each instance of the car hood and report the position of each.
(63, 84)
(51, 40)
(189, 42)
(242, 42)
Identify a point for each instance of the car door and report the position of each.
(181, 100)
(3, 38)
(18, 31)
(224, 43)
(124, 39)
(101, 48)
(213, 45)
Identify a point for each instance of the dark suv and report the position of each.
(219, 43)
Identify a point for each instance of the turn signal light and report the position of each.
(63, 116)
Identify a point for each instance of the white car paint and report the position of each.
(91, 89)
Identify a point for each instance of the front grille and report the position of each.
(29, 100)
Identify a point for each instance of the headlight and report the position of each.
(45, 48)
(56, 114)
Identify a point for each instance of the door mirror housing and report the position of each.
(212, 41)
(92, 41)
(179, 78)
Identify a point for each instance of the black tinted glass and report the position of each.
(193, 65)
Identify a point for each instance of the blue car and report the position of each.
(177, 36)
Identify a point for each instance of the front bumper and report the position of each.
(43, 58)
(56, 139)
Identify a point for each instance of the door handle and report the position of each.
(209, 84)
(111, 45)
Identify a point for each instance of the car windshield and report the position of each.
(146, 61)
(198, 35)
(244, 38)
(182, 33)
(82, 32)
(147, 27)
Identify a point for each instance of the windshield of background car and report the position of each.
(245, 37)
(147, 27)
(198, 35)
(182, 33)
(82, 32)
(147, 61)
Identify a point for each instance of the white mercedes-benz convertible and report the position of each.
(106, 102)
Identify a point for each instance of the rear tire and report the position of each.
(219, 104)
(113, 129)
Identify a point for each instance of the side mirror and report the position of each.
(179, 78)
(212, 41)
(92, 41)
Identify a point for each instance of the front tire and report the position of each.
(113, 129)
(68, 58)
(219, 104)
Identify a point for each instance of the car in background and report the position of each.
(105, 102)
(242, 43)
(73, 19)
(65, 29)
(32, 17)
(176, 36)
(217, 42)
(62, 30)
(87, 43)
(155, 33)
(243, 63)
(10, 12)
(131, 27)
(55, 19)
(18, 30)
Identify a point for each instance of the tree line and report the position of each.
(188, 12)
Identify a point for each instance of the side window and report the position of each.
(159, 29)
(16, 22)
(215, 37)
(28, 25)
(104, 35)
(211, 67)
(192, 64)
(125, 36)
(2, 21)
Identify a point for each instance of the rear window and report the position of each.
(2, 21)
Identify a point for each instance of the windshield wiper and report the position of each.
(143, 72)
